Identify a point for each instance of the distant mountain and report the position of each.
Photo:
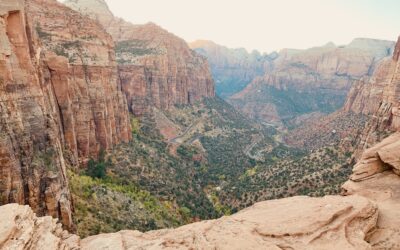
(232, 69)
(313, 80)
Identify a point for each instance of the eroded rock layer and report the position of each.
(60, 101)
(272, 224)
(156, 67)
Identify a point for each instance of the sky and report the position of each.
(267, 25)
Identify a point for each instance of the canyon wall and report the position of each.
(378, 97)
(156, 68)
(233, 69)
(81, 67)
(61, 102)
(307, 81)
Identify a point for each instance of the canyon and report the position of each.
(112, 137)
(233, 69)
(65, 98)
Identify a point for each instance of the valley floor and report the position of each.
(198, 162)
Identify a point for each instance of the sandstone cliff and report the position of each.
(60, 101)
(313, 80)
(156, 68)
(81, 68)
(378, 97)
(232, 69)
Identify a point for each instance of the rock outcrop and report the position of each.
(21, 229)
(381, 157)
(376, 177)
(272, 224)
(313, 80)
(60, 101)
(156, 68)
(233, 69)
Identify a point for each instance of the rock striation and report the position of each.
(376, 176)
(313, 80)
(60, 102)
(233, 69)
(272, 224)
(156, 68)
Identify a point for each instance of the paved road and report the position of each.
(187, 130)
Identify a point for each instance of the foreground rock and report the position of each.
(376, 177)
(21, 229)
(276, 224)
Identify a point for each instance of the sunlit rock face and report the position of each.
(60, 102)
(313, 80)
(156, 68)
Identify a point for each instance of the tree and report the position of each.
(98, 169)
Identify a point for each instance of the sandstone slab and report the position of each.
(292, 223)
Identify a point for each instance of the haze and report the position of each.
(267, 25)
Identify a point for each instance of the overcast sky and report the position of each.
(267, 25)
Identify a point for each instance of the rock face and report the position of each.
(376, 177)
(60, 101)
(378, 96)
(381, 157)
(313, 80)
(82, 69)
(156, 68)
(273, 224)
(21, 229)
(232, 69)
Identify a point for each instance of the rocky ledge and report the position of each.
(376, 177)
(276, 224)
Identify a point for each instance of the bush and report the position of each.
(98, 169)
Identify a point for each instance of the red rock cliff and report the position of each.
(33, 169)
(378, 97)
(81, 68)
(60, 101)
(156, 67)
